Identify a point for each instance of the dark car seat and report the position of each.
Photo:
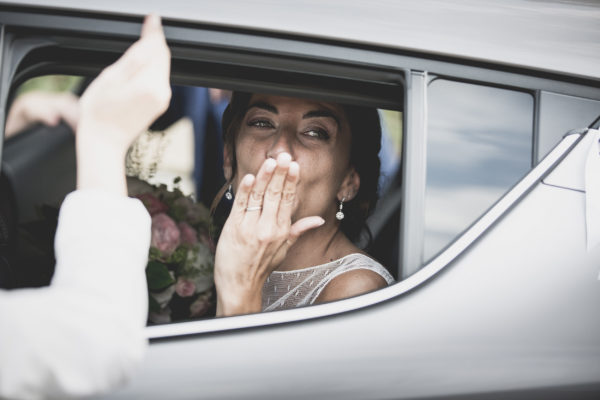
(38, 171)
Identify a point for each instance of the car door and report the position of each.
(504, 304)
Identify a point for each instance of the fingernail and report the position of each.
(322, 222)
(270, 165)
(284, 157)
(248, 180)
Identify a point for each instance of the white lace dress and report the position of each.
(301, 287)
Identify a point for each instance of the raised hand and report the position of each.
(258, 234)
(119, 104)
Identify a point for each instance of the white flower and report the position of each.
(163, 298)
(199, 265)
(162, 317)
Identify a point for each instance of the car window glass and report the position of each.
(479, 144)
(559, 114)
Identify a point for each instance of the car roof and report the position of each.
(556, 36)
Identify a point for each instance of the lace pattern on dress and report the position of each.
(290, 289)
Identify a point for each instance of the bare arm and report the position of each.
(351, 283)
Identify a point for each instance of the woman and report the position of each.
(306, 175)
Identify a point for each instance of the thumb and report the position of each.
(303, 225)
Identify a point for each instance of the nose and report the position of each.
(282, 143)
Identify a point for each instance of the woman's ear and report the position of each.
(227, 172)
(350, 185)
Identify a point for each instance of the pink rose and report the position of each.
(200, 306)
(188, 234)
(184, 288)
(165, 234)
(152, 204)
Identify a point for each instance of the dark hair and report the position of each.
(365, 130)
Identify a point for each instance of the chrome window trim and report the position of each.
(414, 172)
(442, 260)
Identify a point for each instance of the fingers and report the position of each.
(288, 195)
(263, 178)
(152, 25)
(273, 189)
(242, 195)
(48, 116)
(146, 65)
(272, 197)
(68, 109)
(71, 117)
(149, 53)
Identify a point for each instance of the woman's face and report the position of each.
(315, 134)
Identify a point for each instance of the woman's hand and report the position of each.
(118, 105)
(47, 108)
(257, 235)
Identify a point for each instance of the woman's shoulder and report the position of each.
(356, 274)
(362, 262)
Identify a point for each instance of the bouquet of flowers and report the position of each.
(181, 259)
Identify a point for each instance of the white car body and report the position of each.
(506, 309)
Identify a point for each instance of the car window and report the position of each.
(181, 156)
(183, 152)
(479, 143)
(559, 114)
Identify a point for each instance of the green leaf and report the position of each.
(158, 276)
(177, 212)
(179, 256)
(155, 253)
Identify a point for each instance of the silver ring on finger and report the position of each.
(255, 208)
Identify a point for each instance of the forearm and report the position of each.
(85, 333)
(101, 165)
(63, 344)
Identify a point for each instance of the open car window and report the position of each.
(176, 170)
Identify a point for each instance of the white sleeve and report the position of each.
(84, 334)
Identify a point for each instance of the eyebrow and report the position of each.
(322, 113)
(263, 105)
(311, 114)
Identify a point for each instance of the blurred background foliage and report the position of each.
(51, 83)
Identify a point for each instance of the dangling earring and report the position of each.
(229, 193)
(340, 215)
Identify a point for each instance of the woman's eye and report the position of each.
(317, 134)
(260, 123)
